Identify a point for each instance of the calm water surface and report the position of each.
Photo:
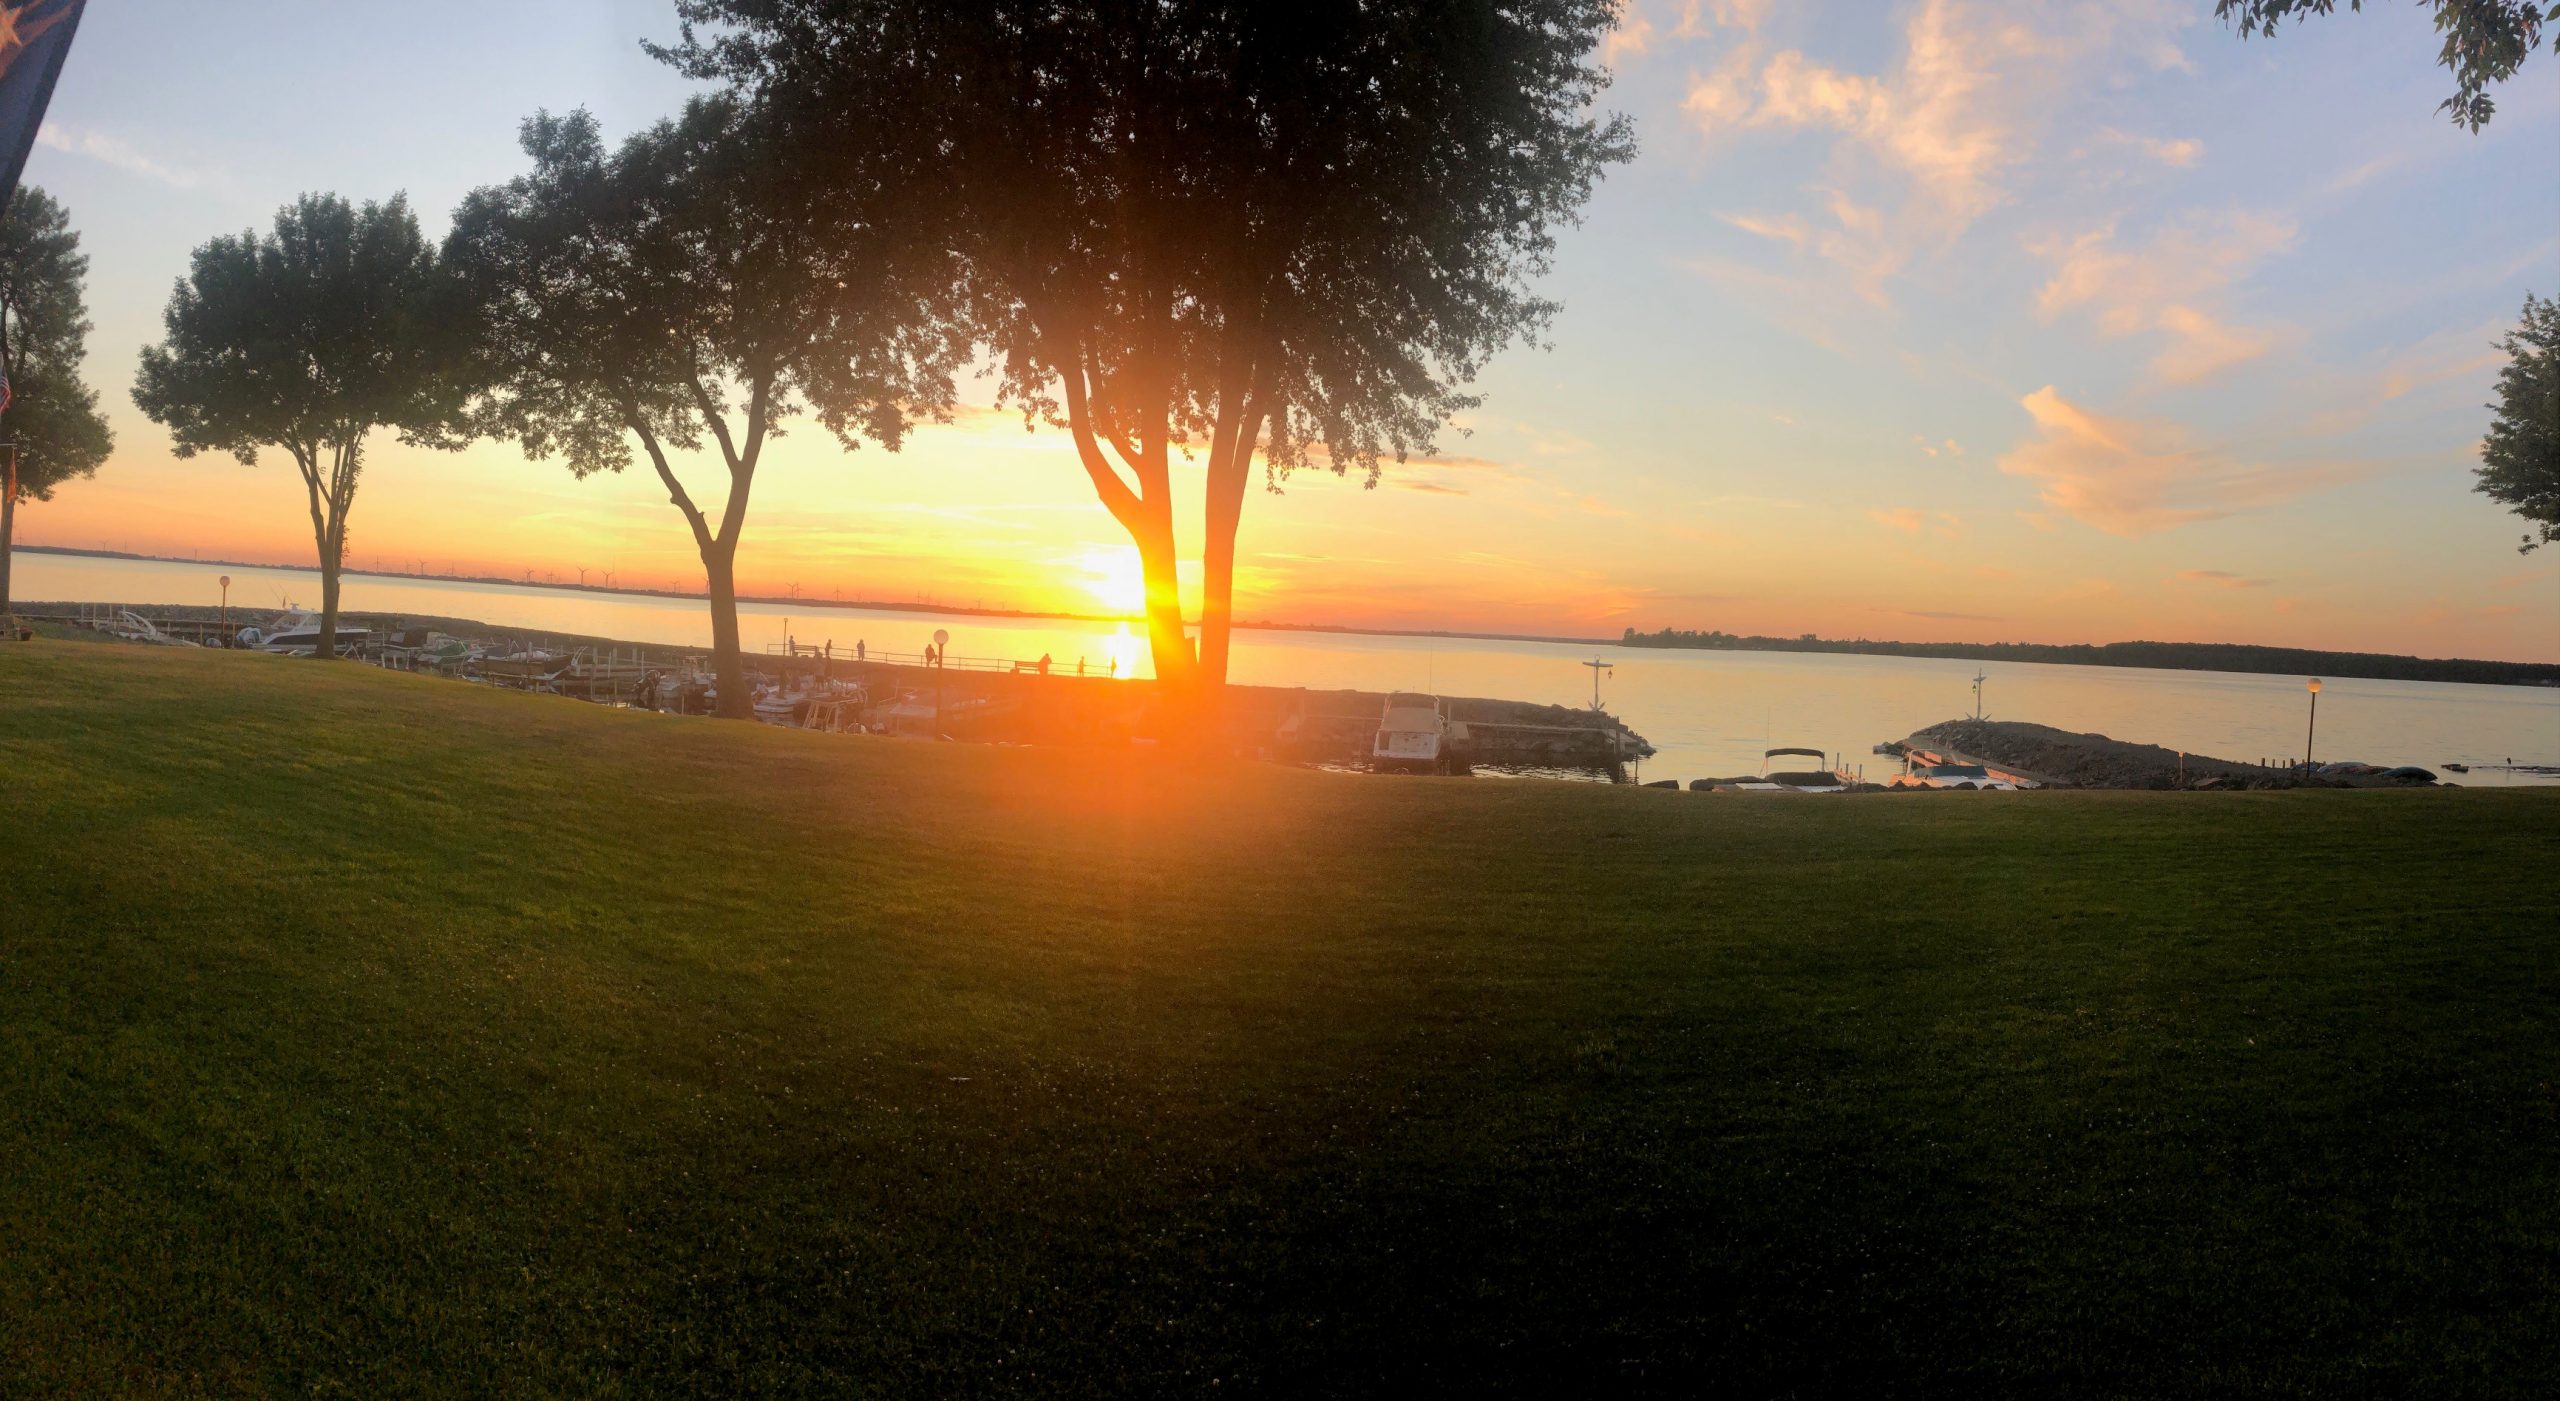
(1710, 713)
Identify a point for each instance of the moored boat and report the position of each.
(1413, 735)
(296, 633)
(1827, 779)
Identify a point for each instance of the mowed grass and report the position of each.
(372, 1035)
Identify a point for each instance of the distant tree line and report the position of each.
(2166, 656)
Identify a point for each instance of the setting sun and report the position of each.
(1113, 578)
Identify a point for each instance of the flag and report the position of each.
(34, 36)
(4, 391)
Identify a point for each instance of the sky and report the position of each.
(2042, 320)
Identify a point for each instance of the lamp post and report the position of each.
(941, 647)
(225, 581)
(2314, 727)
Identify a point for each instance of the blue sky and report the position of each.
(2063, 321)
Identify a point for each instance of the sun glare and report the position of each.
(1124, 650)
(1114, 579)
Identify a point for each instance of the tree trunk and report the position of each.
(1227, 483)
(728, 661)
(8, 529)
(328, 648)
(1167, 640)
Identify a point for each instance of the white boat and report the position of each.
(777, 706)
(296, 633)
(421, 650)
(133, 627)
(1413, 735)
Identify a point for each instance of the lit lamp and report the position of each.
(2314, 727)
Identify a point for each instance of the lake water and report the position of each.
(1710, 713)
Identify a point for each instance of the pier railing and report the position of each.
(830, 652)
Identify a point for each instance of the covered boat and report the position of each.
(1413, 735)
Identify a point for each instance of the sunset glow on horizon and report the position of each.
(2043, 322)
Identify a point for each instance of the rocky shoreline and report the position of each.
(2063, 759)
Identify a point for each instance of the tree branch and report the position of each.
(742, 471)
(675, 489)
(308, 460)
(711, 415)
(1117, 497)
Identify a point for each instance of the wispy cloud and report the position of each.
(2462, 358)
(1911, 520)
(2132, 478)
(114, 151)
(2168, 285)
(1782, 503)
(2220, 578)
(1699, 17)
(1934, 141)
(1633, 34)
(2181, 151)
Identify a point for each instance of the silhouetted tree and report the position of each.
(2520, 455)
(308, 339)
(51, 428)
(1237, 230)
(2485, 41)
(698, 283)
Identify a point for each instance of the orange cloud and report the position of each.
(1633, 34)
(2167, 286)
(1911, 520)
(2131, 478)
(2181, 152)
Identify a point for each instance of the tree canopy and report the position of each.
(51, 423)
(1288, 232)
(307, 339)
(698, 285)
(2520, 454)
(44, 339)
(2485, 41)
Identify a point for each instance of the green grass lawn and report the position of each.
(369, 1035)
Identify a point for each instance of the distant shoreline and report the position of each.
(2227, 658)
(785, 601)
(2224, 658)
